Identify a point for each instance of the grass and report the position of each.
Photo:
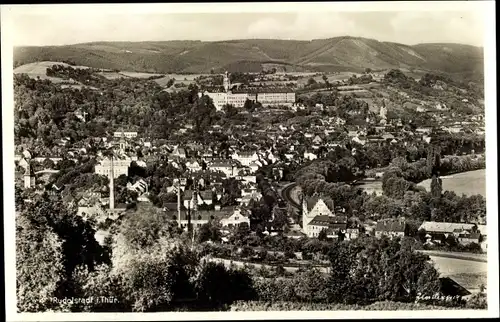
(469, 274)
(468, 183)
(296, 306)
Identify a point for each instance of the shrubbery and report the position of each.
(298, 306)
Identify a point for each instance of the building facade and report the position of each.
(237, 98)
(127, 135)
(120, 166)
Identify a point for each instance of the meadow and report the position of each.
(468, 183)
(470, 274)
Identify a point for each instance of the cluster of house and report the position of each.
(464, 233)
(319, 214)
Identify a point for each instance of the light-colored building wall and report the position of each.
(313, 231)
(125, 134)
(319, 209)
(119, 167)
(235, 219)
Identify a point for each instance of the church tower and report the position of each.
(227, 82)
(383, 113)
(29, 177)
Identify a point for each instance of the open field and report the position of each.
(39, 70)
(112, 75)
(469, 274)
(457, 255)
(371, 186)
(468, 183)
(139, 75)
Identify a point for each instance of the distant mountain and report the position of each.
(334, 54)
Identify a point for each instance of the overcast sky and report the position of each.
(69, 26)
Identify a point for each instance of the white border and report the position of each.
(487, 7)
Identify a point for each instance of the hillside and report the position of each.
(334, 54)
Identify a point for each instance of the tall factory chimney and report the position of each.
(112, 187)
(179, 203)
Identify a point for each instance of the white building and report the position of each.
(127, 135)
(237, 98)
(310, 156)
(120, 166)
(224, 166)
(245, 158)
(235, 219)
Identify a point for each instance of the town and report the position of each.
(274, 173)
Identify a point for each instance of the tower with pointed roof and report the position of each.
(227, 82)
(29, 177)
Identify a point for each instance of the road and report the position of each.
(285, 194)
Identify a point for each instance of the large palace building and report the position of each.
(237, 97)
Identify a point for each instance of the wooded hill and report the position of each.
(323, 55)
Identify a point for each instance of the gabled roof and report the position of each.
(221, 164)
(325, 220)
(391, 225)
(447, 227)
(471, 235)
(206, 194)
(188, 194)
(172, 206)
(312, 201)
(451, 288)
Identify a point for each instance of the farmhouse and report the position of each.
(464, 233)
(391, 228)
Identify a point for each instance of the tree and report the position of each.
(428, 283)
(280, 218)
(145, 227)
(153, 279)
(311, 286)
(39, 266)
(208, 232)
(436, 187)
(311, 81)
(230, 110)
(217, 286)
(240, 234)
(249, 106)
(77, 237)
(368, 70)
(322, 235)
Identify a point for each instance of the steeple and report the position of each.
(227, 82)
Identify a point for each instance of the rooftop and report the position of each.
(391, 225)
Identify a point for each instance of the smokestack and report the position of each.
(112, 187)
(179, 203)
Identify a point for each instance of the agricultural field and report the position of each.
(112, 75)
(371, 186)
(39, 70)
(139, 75)
(470, 274)
(468, 183)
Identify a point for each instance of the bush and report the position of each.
(297, 306)
(477, 301)
(289, 254)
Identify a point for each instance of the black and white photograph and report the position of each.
(249, 160)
